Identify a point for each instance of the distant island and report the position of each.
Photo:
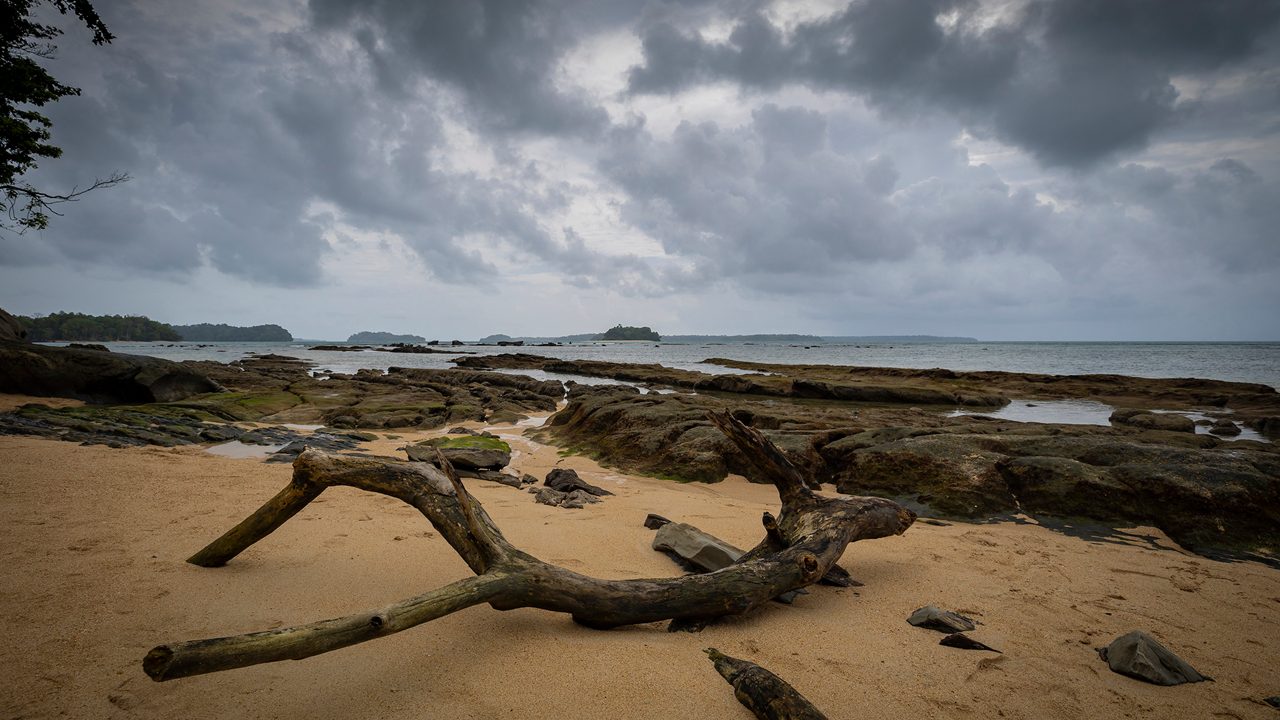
(383, 338)
(205, 332)
(67, 326)
(626, 332)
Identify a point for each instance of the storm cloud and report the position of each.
(987, 167)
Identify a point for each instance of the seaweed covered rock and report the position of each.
(473, 452)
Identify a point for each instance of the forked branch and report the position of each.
(803, 544)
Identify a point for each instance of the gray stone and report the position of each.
(692, 546)
(941, 620)
(1142, 657)
(566, 480)
(570, 500)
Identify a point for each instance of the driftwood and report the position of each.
(801, 546)
(763, 693)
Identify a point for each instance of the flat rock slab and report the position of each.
(1142, 657)
(691, 545)
(964, 642)
(941, 620)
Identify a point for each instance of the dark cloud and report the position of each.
(235, 141)
(278, 145)
(501, 56)
(1070, 81)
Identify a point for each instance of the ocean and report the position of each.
(1243, 362)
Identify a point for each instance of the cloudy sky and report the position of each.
(1007, 169)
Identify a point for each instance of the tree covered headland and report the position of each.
(100, 328)
(205, 332)
(621, 332)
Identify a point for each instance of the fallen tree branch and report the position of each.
(810, 534)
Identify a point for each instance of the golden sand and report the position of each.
(93, 577)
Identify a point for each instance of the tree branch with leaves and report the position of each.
(25, 132)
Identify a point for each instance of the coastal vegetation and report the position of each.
(383, 338)
(206, 332)
(63, 326)
(627, 332)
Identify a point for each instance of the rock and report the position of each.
(528, 479)
(566, 480)
(11, 329)
(89, 346)
(653, 522)
(964, 642)
(1225, 428)
(462, 431)
(570, 500)
(456, 343)
(471, 452)
(492, 476)
(1171, 422)
(690, 545)
(945, 473)
(941, 620)
(1273, 701)
(221, 433)
(96, 376)
(1140, 656)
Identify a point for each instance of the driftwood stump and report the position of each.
(800, 547)
(766, 695)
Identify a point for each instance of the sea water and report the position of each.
(1242, 362)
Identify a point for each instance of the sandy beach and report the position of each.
(94, 576)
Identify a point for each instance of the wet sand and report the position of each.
(93, 576)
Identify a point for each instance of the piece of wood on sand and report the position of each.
(763, 693)
(811, 534)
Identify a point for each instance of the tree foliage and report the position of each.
(100, 328)
(24, 86)
(627, 332)
(205, 332)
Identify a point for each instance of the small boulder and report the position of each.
(1225, 428)
(1145, 419)
(941, 620)
(566, 480)
(570, 500)
(1142, 657)
(690, 545)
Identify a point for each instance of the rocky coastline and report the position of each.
(865, 431)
